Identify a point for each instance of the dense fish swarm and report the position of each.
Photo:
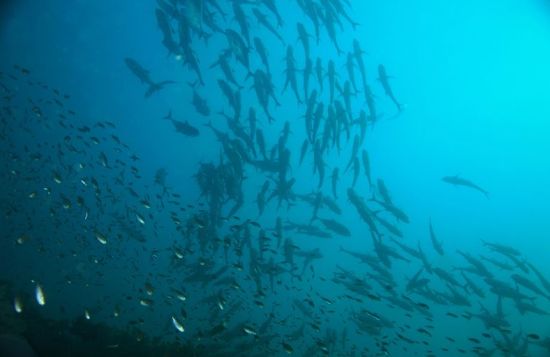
(242, 268)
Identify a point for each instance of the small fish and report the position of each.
(181, 296)
(288, 348)
(17, 305)
(145, 204)
(140, 219)
(101, 238)
(178, 253)
(22, 239)
(221, 303)
(40, 296)
(57, 178)
(249, 330)
(149, 289)
(177, 325)
(533, 336)
(145, 302)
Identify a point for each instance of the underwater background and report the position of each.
(264, 178)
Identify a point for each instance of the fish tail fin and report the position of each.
(168, 116)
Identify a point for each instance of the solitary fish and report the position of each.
(288, 348)
(40, 296)
(17, 305)
(249, 330)
(140, 218)
(177, 325)
(101, 238)
(458, 181)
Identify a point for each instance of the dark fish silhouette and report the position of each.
(458, 181)
(155, 87)
(436, 243)
(138, 70)
(183, 127)
(143, 76)
(384, 80)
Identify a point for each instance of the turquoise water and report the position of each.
(152, 227)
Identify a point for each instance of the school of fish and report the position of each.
(242, 269)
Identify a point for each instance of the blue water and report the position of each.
(471, 79)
